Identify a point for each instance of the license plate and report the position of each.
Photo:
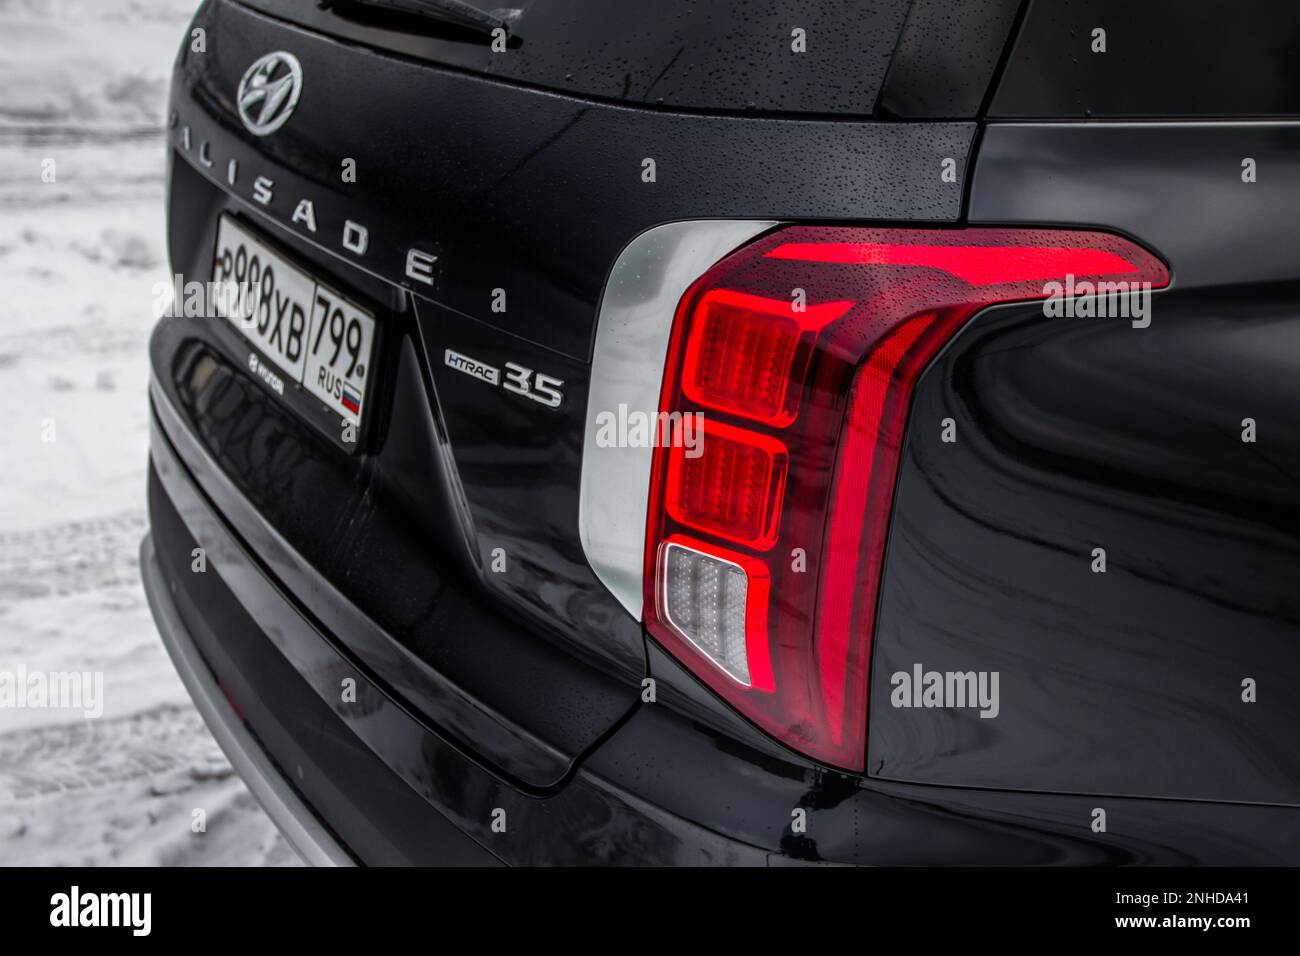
(311, 333)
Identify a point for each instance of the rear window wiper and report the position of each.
(456, 12)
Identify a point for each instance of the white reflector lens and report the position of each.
(704, 600)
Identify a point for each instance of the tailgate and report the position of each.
(445, 543)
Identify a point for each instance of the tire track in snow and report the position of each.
(92, 754)
(72, 557)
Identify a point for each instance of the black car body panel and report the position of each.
(725, 55)
(398, 792)
(1075, 437)
(439, 473)
(1177, 185)
(1219, 58)
(1091, 433)
(439, 564)
(946, 58)
(394, 791)
(447, 161)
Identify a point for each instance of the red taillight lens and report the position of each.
(729, 483)
(747, 354)
(766, 538)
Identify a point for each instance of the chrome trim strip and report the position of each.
(312, 841)
(632, 328)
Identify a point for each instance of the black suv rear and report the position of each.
(434, 613)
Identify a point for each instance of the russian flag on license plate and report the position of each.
(351, 400)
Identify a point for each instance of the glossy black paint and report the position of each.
(668, 786)
(451, 471)
(306, 738)
(1083, 433)
(381, 534)
(521, 690)
(946, 58)
(749, 791)
(525, 190)
(1177, 187)
(1074, 434)
(723, 55)
(394, 788)
(1214, 58)
(437, 638)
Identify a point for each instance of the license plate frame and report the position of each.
(277, 372)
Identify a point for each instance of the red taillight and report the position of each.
(765, 538)
(730, 483)
(725, 594)
(746, 354)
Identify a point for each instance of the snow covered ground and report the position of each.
(83, 87)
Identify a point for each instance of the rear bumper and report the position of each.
(270, 685)
(365, 779)
(371, 782)
(285, 806)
